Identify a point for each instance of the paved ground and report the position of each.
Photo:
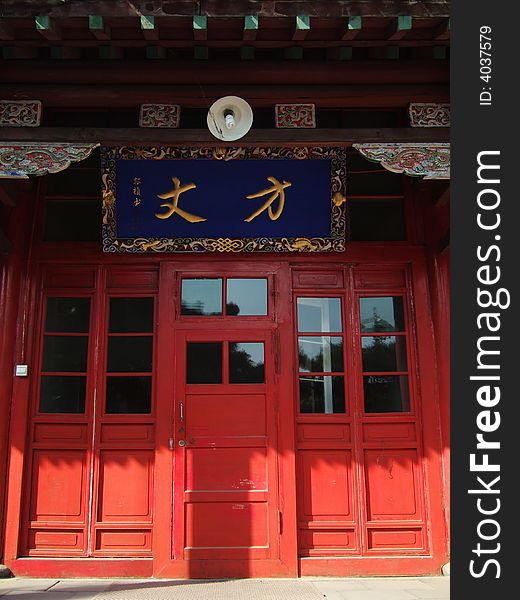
(309, 588)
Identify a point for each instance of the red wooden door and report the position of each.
(225, 483)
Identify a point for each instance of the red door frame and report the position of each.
(379, 255)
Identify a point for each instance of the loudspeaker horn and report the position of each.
(230, 118)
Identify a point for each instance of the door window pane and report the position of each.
(62, 394)
(204, 362)
(131, 315)
(386, 393)
(381, 314)
(246, 362)
(320, 354)
(384, 353)
(322, 394)
(201, 297)
(129, 395)
(246, 297)
(65, 353)
(319, 314)
(129, 354)
(67, 315)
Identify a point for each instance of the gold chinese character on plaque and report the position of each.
(173, 206)
(277, 191)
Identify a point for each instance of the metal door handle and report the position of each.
(171, 443)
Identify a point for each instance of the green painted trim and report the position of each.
(355, 23)
(303, 22)
(42, 23)
(294, 53)
(404, 23)
(200, 22)
(95, 22)
(200, 52)
(250, 22)
(147, 22)
(247, 52)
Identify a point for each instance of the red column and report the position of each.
(13, 273)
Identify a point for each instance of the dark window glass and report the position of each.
(204, 362)
(386, 393)
(65, 353)
(380, 315)
(75, 182)
(131, 315)
(246, 362)
(376, 219)
(62, 394)
(129, 354)
(72, 221)
(319, 314)
(67, 315)
(246, 297)
(324, 395)
(384, 353)
(320, 354)
(129, 395)
(201, 297)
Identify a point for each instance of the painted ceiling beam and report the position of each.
(250, 27)
(400, 28)
(148, 28)
(353, 28)
(98, 28)
(200, 28)
(48, 27)
(302, 26)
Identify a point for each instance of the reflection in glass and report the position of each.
(204, 362)
(381, 314)
(386, 393)
(320, 354)
(201, 297)
(67, 315)
(62, 394)
(131, 315)
(246, 362)
(384, 353)
(65, 353)
(129, 354)
(246, 297)
(319, 314)
(325, 394)
(129, 395)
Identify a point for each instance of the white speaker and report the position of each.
(230, 118)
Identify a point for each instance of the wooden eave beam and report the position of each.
(442, 31)
(136, 136)
(400, 28)
(5, 244)
(6, 31)
(302, 26)
(8, 193)
(48, 27)
(353, 28)
(98, 28)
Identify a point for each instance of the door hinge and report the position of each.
(280, 522)
(275, 339)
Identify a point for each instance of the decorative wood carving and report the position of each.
(20, 113)
(427, 114)
(19, 160)
(295, 116)
(160, 115)
(431, 161)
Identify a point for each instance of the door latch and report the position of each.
(171, 443)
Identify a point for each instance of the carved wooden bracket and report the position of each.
(18, 160)
(431, 161)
